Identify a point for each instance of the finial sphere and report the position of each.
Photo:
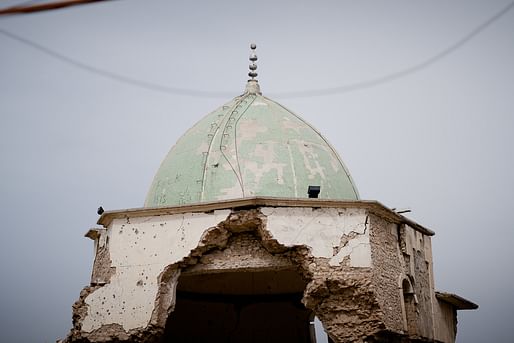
(253, 59)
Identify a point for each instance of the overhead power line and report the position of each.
(401, 73)
(289, 94)
(115, 76)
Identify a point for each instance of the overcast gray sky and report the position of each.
(438, 141)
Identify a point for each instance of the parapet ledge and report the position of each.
(373, 206)
(457, 301)
(94, 233)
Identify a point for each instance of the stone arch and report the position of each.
(239, 291)
(409, 306)
(337, 295)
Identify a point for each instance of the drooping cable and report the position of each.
(398, 74)
(115, 76)
(286, 94)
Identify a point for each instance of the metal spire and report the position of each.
(253, 59)
(252, 86)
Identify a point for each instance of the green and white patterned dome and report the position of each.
(251, 146)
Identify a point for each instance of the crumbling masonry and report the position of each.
(363, 270)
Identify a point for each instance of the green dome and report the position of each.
(251, 146)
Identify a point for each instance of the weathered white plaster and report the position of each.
(323, 231)
(259, 103)
(102, 238)
(249, 129)
(140, 249)
(359, 251)
(265, 161)
(309, 151)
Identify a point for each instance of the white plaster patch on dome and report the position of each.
(231, 192)
(249, 129)
(310, 159)
(265, 154)
(335, 164)
(259, 103)
(226, 165)
(293, 171)
(289, 124)
(228, 159)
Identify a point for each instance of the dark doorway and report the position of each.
(258, 306)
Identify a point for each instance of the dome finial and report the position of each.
(252, 86)
(253, 59)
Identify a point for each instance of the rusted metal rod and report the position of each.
(45, 6)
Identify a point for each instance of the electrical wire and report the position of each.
(398, 74)
(115, 76)
(290, 94)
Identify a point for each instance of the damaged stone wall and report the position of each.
(388, 271)
(141, 260)
(102, 266)
(402, 274)
(140, 249)
(417, 262)
(244, 251)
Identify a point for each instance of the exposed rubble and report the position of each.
(355, 303)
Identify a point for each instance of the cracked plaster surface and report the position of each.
(142, 248)
(139, 260)
(323, 231)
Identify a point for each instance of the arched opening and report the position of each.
(240, 306)
(409, 299)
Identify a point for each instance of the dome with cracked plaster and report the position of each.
(251, 146)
